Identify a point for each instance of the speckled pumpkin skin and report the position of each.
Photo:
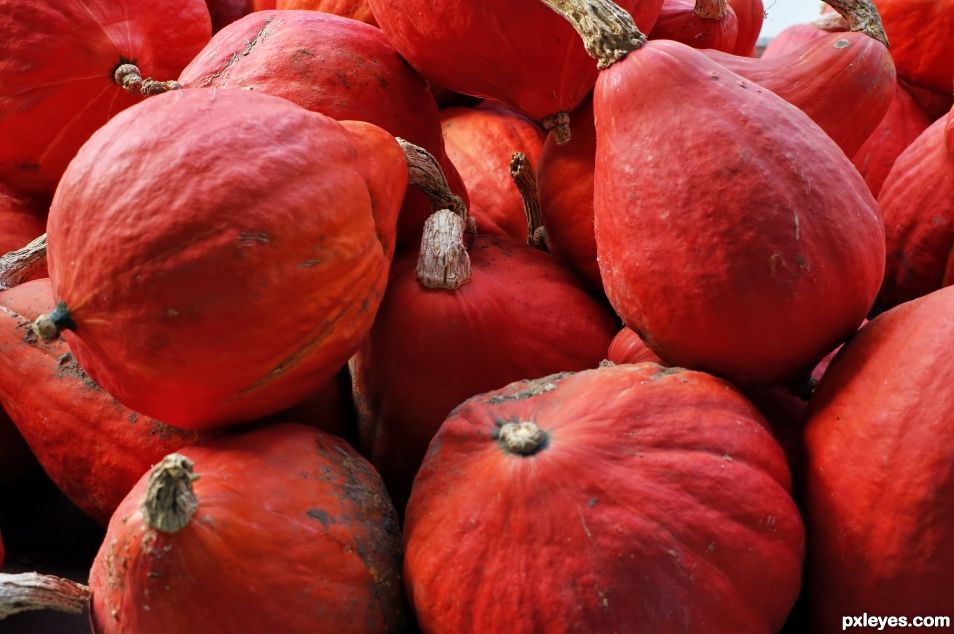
(481, 141)
(90, 446)
(844, 82)
(223, 272)
(339, 67)
(752, 258)
(57, 61)
(294, 533)
(917, 201)
(881, 469)
(481, 48)
(660, 503)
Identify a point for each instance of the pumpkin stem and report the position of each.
(130, 78)
(526, 181)
(710, 9)
(170, 501)
(424, 172)
(443, 261)
(522, 439)
(32, 591)
(18, 265)
(49, 326)
(608, 31)
(559, 125)
(861, 15)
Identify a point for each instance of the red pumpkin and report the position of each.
(880, 456)
(263, 5)
(698, 23)
(921, 42)
(249, 282)
(354, 9)
(627, 347)
(565, 181)
(308, 57)
(57, 82)
(480, 142)
(751, 14)
(901, 125)
(755, 279)
(90, 446)
(792, 38)
(844, 81)
(917, 201)
(621, 478)
(21, 221)
(301, 523)
(445, 333)
(483, 49)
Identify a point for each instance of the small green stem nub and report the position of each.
(49, 326)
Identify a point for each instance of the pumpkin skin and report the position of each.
(381, 89)
(751, 14)
(627, 347)
(642, 465)
(304, 222)
(482, 49)
(565, 184)
(844, 81)
(755, 279)
(521, 314)
(792, 38)
(480, 142)
(354, 9)
(917, 201)
(921, 42)
(90, 446)
(57, 61)
(331, 561)
(878, 440)
(680, 20)
(902, 124)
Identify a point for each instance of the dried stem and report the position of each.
(608, 31)
(526, 181)
(170, 501)
(710, 9)
(861, 15)
(425, 173)
(17, 266)
(130, 78)
(443, 261)
(559, 125)
(32, 591)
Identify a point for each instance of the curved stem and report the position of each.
(49, 326)
(710, 9)
(16, 266)
(425, 173)
(861, 15)
(32, 591)
(130, 78)
(170, 501)
(559, 125)
(526, 181)
(609, 33)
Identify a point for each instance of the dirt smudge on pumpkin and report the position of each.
(533, 388)
(67, 366)
(251, 238)
(322, 516)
